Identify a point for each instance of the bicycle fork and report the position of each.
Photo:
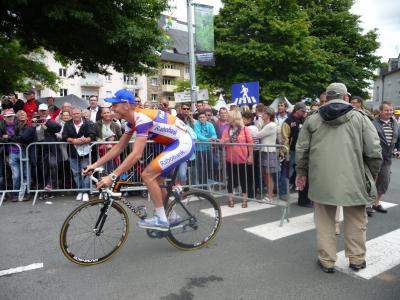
(102, 218)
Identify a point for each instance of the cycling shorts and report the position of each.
(174, 154)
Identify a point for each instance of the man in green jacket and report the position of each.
(339, 153)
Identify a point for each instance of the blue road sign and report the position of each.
(245, 93)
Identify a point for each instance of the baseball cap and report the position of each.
(43, 106)
(122, 96)
(29, 92)
(8, 112)
(337, 88)
(300, 106)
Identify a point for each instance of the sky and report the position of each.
(381, 14)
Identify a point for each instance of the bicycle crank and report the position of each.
(156, 234)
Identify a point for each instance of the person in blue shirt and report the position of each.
(205, 132)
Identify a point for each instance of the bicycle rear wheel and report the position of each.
(199, 219)
(82, 244)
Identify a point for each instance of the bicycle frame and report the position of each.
(139, 210)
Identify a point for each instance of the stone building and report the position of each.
(387, 84)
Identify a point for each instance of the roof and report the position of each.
(180, 38)
(176, 57)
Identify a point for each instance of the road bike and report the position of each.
(96, 230)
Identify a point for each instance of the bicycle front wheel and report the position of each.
(81, 241)
(197, 220)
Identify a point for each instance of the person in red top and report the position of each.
(54, 111)
(31, 105)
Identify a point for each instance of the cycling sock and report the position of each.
(160, 213)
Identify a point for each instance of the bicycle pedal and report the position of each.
(156, 234)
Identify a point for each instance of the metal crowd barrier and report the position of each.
(214, 167)
(11, 170)
(221, 167)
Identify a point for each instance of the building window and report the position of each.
(130, 79)
(187, 69)
(63, 92)
(167, 81)
(153, 97)
(169, 66)
(62, 72)
(154, 81)
(108, 77)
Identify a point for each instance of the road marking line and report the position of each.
(272, 231)
(383, 253)
(388, 204)
(231, 211)
(21, 269)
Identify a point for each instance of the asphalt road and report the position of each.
(236, 265)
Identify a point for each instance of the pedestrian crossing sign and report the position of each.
(245, 93)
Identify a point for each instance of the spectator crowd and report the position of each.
(250, 170)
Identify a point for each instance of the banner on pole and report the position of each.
(204, 34)
(245, 93)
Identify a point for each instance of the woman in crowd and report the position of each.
(253, 172)
(237, 157)
(107, 130)
(269, 160)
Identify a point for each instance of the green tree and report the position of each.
(92, 34)
(293, 48)
(350, 52)
(269, 42)
(21, 68)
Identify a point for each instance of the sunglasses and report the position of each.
(184, 108)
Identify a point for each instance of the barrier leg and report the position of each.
(285, 216)
(2, 198)
(34, 198)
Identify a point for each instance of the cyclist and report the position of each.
(155, 125)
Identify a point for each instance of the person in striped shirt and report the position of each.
(389, 135)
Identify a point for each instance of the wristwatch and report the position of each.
(113, 176)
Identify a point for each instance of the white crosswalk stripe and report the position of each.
(272, 231)
(232, 211)
(383, 253)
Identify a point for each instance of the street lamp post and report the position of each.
(192, 61)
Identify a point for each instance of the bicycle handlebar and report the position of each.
(107, 190)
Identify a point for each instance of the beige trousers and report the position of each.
(355, 229)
